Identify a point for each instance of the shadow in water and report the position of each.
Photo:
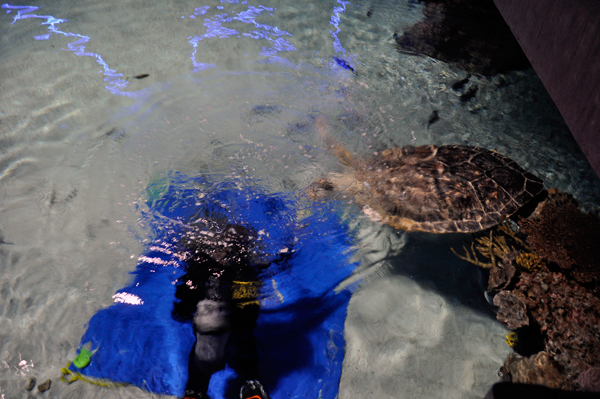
(428, 260)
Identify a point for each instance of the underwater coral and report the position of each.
(563, 235)
(569, 317)
(537, 369)
(544, 275)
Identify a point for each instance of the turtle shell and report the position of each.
(445, 189)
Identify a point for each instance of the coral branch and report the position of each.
(472, 258)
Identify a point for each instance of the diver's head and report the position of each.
(229, 246)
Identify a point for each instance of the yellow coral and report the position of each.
(493, 247)
(472, 258)
(505, 228)
(530, 261)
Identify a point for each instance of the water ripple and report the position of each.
(115, 84)
(215, 29)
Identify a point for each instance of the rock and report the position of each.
(561, 234)
(569, 317)
(537, 369)
(589, 380)
(554, 198)
(44, 386)
(512, 310)
(30, 384)
(502, 272)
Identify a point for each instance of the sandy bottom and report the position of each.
(422, 328)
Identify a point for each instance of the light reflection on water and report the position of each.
(115, 83)
(216, 28)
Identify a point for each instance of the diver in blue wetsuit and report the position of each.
(218, 294)
(218, 249)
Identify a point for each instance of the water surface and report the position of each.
(233, 88)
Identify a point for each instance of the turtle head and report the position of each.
(336, 185)
(320, 190)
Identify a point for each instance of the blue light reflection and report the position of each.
(223, 25)
(337, 45)
(335, 21)
(215, 29)
(115, 83)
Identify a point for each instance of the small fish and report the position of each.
(461, 83)
(110, 132)
(142, 76)
(343, 64)
(370, 12)
(265, 109)
(433, 118)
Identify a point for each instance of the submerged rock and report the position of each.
(589, 380)
(549, 293)
(512, 310)
(502, 273)
(561, 234)
(569, 318)
(29, 385)
(538, 369)
(44, 386)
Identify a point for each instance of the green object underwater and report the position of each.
(83, 358)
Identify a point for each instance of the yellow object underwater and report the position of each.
(512, 338)
(70, 376)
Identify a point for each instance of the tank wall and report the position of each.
(562, 41)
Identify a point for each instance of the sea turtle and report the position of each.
(437, 189)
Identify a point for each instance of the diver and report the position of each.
(218, 294)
